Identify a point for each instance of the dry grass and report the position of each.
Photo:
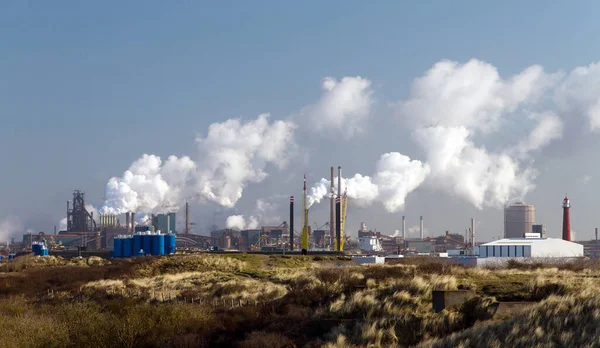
(304, 302)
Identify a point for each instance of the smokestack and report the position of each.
(291, 223)
(187, 218)
(338, 221)
(473, 232)
(127, 225)
(132, 222)
(332, 220)
(403, 226)
(168, 223)
(566, 219)
(422, 235)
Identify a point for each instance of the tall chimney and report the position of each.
(422, 233)
(332, 220)
(473, 232)
(132, 222)
(68, 224)
(168, 223)
(291, 222)
(187, 218)
(403, 226)
(127, 225)
(566, 235)
(338, 222)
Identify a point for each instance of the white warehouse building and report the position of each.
(530, 247)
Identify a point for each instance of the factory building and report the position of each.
(539, 229)
(519, 219)
(530, 247)
(164, 222)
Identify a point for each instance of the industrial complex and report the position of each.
(121, 236)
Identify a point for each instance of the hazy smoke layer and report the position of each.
(233, 154)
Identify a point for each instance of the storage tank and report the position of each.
(158, 244)
(518, 220)
(127, 246)
(137, 243)
(117, 246)
(170, 244)
(147, 243)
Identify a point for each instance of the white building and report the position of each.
(530, 247)
(369, 244)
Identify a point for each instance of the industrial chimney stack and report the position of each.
(566, 219)
(422, 232)
(127, 222)
(132, 222)
(403, 226)
(332, 209)
(472, 232)
(291, 222)
(338, 218)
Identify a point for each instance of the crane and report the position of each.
(344, 210)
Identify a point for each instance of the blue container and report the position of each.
(36, 249)
(44, 252)
(127, 246)
(137, 244)
(158, 244)
(170, 244)
(147, 244)
(11, 256)
(118, 247)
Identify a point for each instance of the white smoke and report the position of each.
(241, 223)
(397, 175)
(62, 224)
(415, 231)
(265, 212)
(233, 154)
(454, 102)
(10, 226)
(343, 109)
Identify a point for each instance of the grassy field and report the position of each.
(246, 300)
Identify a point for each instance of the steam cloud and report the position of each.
(397, 175)
(233, 154)
(9, 227)
(265, 212)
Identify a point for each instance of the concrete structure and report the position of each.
(421, 246)
(164, 222)
(442, 299)
(362, 260)
(369, 244)
(541, 229)
(528, 247)
(518, 220)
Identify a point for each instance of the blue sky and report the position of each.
(86, 88)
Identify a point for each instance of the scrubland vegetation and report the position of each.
(278, 301)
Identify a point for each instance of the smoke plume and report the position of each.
(397, 175)
(265, 212)
(233, 154)
(10, 226)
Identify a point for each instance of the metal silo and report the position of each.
(137, 243)
(127, 246)
(518, 220)
(147, 243)
(158, 244)
(170, 244)
(117, 246)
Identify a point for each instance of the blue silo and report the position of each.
(127, 246)
(158, 244)
(170, 244)
(117, 246)
(137, 244)
(36, 249)
(147, 243)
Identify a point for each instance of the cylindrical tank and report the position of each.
(127, 246)
(227, 243)
(519, 219)
(137, 244)
(158, 244)
(170, 244)
(147, 243)
(117, 246)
